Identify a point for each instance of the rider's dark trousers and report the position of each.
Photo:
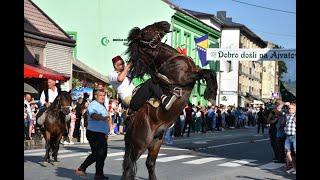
(99, 149)
(145, 91)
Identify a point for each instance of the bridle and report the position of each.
(151, 42)
(63, 108)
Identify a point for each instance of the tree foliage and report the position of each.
(282, 68)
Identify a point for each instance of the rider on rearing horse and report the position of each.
(119, 80)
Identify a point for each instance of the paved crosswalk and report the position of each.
(165, 158)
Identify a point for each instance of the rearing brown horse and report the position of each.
(146, 127)
(55, 124)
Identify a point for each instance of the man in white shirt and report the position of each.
(119, 80)
(47, 97)
(52, 92)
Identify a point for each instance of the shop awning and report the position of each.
(43, 72)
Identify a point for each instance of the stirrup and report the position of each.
(172, 99)
(177, 91)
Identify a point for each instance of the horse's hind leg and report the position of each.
(152, 156)
(56, 149)
(47, 146)
(129, 164)
(133, 151)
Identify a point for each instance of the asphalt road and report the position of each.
(230, 154)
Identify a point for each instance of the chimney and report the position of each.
(222, 15)
(229, 19)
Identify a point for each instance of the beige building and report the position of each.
(250, 72)
(270, 76)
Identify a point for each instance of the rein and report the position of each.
(150, 43)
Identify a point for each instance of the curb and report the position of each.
(40, 143)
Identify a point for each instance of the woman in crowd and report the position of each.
(72, 125)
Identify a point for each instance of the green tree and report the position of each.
(76, 83)
(282, 69)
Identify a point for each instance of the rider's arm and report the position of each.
(124, 73)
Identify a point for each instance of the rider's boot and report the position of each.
(167, 101)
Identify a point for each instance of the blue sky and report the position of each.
(270, 25)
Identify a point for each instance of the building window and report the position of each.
(176, 37)
(187, 42)
(36, 58)
(73, 35)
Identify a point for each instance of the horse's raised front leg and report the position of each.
(152, 156)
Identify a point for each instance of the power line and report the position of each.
(291, 12)
(277, 34)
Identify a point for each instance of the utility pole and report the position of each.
(219, 86)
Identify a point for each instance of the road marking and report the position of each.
(237, 163)
(141, 157)
(33, 150)
(115, 154)
(173, 158)
(271, 166)
(200, 142)
(222, 145)
(73, 154)
(43, 153)
(109, 155)
(203, 160)
(177, 149)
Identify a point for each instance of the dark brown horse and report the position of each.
(146, 127)
(55, 124)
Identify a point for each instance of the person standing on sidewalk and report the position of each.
(260, 120)
(281, 136)
(188, 119)
(72, 125)
(28, 111)
(97, 130)
(273, 120)
(290, 143)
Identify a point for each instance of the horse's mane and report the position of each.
(55, 104)
(139, 68)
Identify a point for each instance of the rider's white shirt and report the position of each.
(52, 95)
(123, 88)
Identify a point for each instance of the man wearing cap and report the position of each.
(119, 80)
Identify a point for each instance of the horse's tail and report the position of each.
(211, 79)
(129, 163)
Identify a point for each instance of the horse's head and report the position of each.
(151, 35)
(148, 37)
(63, 102)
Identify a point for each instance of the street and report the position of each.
(230, 154)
